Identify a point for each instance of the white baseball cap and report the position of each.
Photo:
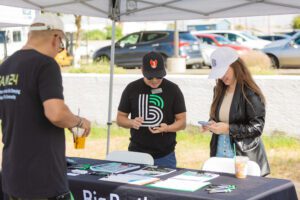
(49, 21)
(221, 59)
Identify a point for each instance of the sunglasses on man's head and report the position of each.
(61, 44)
(151, 78)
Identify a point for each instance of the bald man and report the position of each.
(34, 116)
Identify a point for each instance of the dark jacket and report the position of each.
(245, 122)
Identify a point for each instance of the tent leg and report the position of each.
(5, 45)
(111, 78)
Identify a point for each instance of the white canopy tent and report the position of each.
(160, 10)
(157, 10)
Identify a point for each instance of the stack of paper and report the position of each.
(153, 171)
(176, 184)
(196, 176)
(130, 179)
(114, 167)
(187, 181)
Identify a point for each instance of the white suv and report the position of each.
(241, 37)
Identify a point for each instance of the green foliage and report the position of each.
(94, 35)
(102, 35)
(171, 26)
(296, 22)
(118, 32)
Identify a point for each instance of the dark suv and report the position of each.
(130, 49)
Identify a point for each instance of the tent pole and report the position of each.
(176, 40)
(111, 78)
(5, 44)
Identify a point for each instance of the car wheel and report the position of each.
(102, 59)
(194, 66)
(274, 61)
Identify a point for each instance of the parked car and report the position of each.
(274, 37)
(284, 52)
(130, 49)
(220, 41)
(240, 37)
(292, 33)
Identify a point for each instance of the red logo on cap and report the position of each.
(153, 63)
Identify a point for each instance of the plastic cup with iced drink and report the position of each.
(79, 139)
(241, 166)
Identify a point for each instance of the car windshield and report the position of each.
(222, 40)
(2, 36)
(187, 36)
(249, 36)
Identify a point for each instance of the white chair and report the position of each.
(226, 165)
(131, 157)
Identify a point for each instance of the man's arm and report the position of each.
(58, 113)
(179, 124)
(125, 122)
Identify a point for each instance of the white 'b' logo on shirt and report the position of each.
(150, 109)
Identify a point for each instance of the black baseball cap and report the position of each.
(153, 65)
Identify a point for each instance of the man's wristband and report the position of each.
(80, 122)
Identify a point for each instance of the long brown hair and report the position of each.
(243, 79)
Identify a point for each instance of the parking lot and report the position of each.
(206, 70)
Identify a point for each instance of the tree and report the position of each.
(77, 55)
(239, 27)
(296, 22)
(94, 35)
(78, 32)
(118, 31)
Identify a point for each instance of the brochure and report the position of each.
(114, 167)
(153, 171)
(187, 181)
(130, 179)
(177, 184)
(196, 176)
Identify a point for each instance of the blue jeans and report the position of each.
(166, 161)
(224, 148)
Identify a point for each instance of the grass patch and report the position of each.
(192, 136)
(257, 62)
(279, 141)
(94, 68)
(100, 133)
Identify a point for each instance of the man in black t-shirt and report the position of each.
(157, 110)
(34, 116)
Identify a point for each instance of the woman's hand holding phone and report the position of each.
(205, 125)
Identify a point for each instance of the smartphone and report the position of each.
(203, 123)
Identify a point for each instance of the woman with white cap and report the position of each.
(237, 113)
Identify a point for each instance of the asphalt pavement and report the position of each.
(206, 70)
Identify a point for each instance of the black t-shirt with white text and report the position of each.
(156, 106)
(33, 160)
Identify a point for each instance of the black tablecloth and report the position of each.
(88, 187)
(254, 188)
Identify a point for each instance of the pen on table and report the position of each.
(225, 187)
(219, 191)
